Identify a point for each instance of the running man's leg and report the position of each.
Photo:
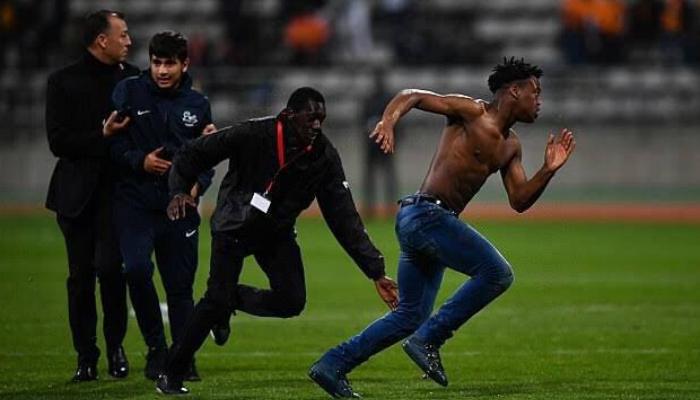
(419, 281)
(216, 305)
(281, 261)
(462, 248)
(419, 278)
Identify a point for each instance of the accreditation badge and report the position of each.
(260, 202)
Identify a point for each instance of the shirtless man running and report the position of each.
(476, 142)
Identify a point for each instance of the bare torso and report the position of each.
(468, 153)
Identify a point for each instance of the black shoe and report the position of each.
(117, 364)
(332, 380)
(427, 357)
(85, 372)
(155, 362)
(220, 333)
(170, 387)
(192, 375)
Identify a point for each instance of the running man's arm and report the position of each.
(523, 193)
(339, 211)
(195, 158)
(453, 106)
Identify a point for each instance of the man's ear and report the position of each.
(185, 64)
(101, 41)
(287, 113)
(514, 91)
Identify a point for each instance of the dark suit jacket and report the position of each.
(78, 99)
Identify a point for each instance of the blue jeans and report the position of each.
(430, 238)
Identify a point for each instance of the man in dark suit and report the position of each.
(80, 192)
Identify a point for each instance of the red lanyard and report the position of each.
(280, 145)
(280, 155)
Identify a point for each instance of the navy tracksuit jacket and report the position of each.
(167, 119)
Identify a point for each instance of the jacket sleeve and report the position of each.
(204, 179)
(338, 209)
(123, 150)
(64, 139)
(203, 154)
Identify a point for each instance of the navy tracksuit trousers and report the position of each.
(143, 232)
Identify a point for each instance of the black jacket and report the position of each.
(251, 150)
(78, 99)
(159, 118)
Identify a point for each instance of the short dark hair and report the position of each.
(168, 44)
(300, 98)
(97, 22)
(510, 71)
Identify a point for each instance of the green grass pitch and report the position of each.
(597, 311)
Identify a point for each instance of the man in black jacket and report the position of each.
(80, 192)
(277, 166)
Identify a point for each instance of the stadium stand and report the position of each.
(246, 69)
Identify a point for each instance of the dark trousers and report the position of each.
(280, 260)
(142, 233)
(93, 251)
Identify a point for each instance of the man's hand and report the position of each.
(209, 129)
(153, 164)
(195, 190)
(178, 205)
(558, 149)
(388, 290)
(383, 135)
(112, 125)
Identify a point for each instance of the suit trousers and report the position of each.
(93, 252)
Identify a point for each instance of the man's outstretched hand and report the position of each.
(558, 149)
(383, 135)
(388, 290)
(178, 205)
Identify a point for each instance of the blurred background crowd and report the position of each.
(623, 74)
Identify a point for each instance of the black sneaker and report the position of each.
(85, 372)
(220, 333)
(332, 380)
(117, 364)
(192, 375)
(155, 362)
(427, 357)
(170, 387)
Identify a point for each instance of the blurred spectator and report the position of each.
(306, 35)
(39, 30)
(573, 15)
(306, 31)
(676, 31)
(645, 26)
(8, 28)
(375, 161)
(199, 50)
(352, 30)
(249, 37)
(593, 31)
(390, 17)
(609, 23)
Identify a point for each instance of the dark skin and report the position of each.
(478, 141)
(305, 125)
